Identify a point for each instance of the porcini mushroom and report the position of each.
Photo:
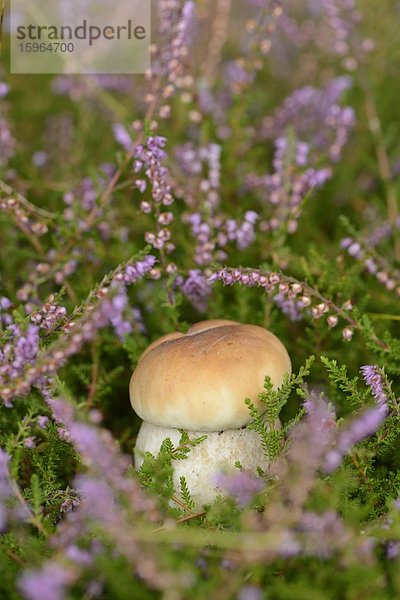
(199, 382)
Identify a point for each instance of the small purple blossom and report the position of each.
(176, 21)
(122, 136)
(360, 428)
(40, 158)
(77, 555)
(30, 442)
(49, 583)
(243, 485)
(292, 179)
(99, 502)
(4, 89)
(42, 421)
(316, 117)
(250, 592)
(133, 273)
(21, 353)
(197, 289)
(17, 353)
(393, 549)
(373, 378)
(291, 307)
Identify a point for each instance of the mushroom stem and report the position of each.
(218, 453)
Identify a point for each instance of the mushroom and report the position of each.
(199, 382)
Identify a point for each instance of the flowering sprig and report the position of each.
(13, 505)
(361, 427)
(109, 502)
(302, 296)
(376, 379)
(362, 249)
(316, 118)
(242, 486)
(196, 288)
(287, 187)
(170, 71)
(23, 218)
(105, 305)
(149, 158)
(331, 27)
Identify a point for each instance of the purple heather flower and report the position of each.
(355, 250)
(17, 353)
(316, 118)
(320, 413)
(4, 89)
(21, 349)
(289, 306)
(393, 549)
(285, 188)
(122, 136)
(149, 159)
(323, 533)
(134, 272)
(30, 442)
(197, 289)
(115, 307)
(176, 22)
(374, 380)
(243, 485)
(371, 266)
(250, 592)
(77, 555)
(42, 421)
(237, 75)
(360, 428)
(5, 303)
(40, 158)
(49, 583)
(289, 546)
(346, 242)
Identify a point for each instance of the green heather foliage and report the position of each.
(253, 176)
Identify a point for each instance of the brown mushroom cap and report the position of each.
(200, 381)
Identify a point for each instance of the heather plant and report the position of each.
(251, 175)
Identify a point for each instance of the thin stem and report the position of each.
(15, 558)
(191, 517)
(22, 200)
(32, 518)
(182, 505)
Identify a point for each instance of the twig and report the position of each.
(32, 519)
(31, 207)
(190, 517)
(177, 501)
(14, 557)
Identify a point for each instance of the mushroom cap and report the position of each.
(199, 381)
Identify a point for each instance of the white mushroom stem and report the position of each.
(218, 453)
